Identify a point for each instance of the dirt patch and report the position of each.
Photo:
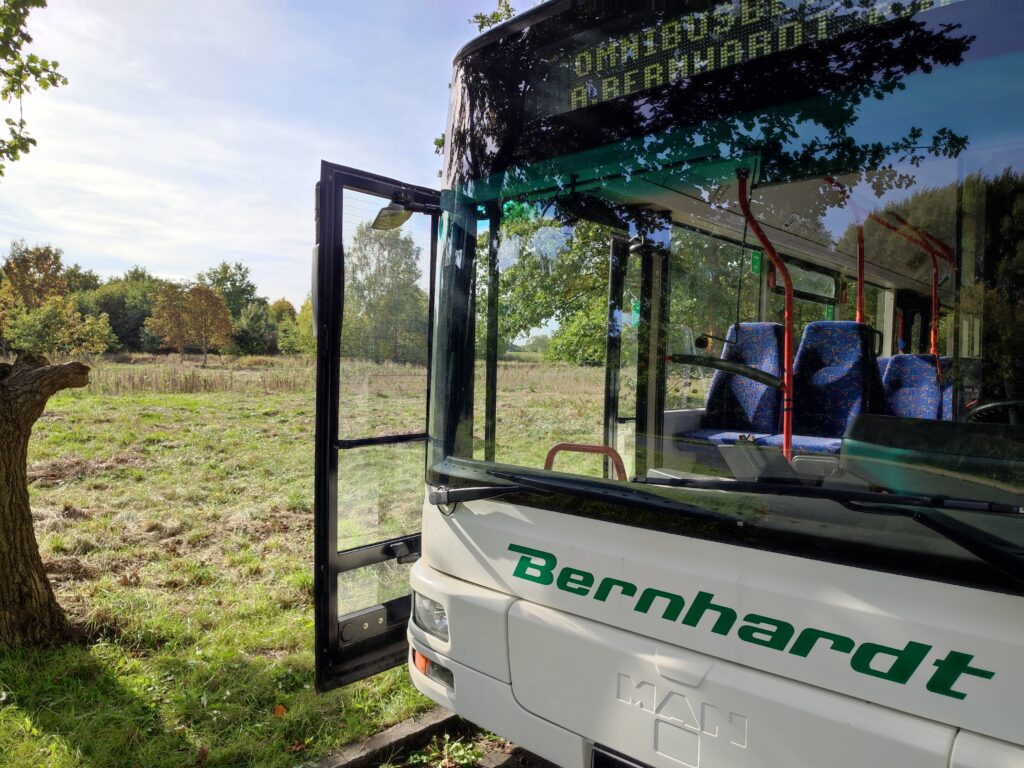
(56, 471)
(68, 569)
(50, 520)
(71, 512)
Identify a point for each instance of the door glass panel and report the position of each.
(384, 328)
(383, 372)
(380, 493)
(372, 585)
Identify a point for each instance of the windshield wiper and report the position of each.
(629, 494)
(842, 495)
(444, 495)
(1001, 554)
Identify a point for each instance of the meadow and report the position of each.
(173, 508)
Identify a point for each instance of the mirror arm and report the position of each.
(729, 366)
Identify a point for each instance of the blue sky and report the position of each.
(192, 132)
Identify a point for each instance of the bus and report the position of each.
(684, 424)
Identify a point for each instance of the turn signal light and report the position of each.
(433, 670)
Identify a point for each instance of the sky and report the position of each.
(192, 132)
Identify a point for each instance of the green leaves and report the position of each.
(20, 72)
(58, 328)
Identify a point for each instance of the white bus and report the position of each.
(684, 426)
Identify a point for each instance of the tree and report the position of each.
(58, 328)
(190, 317)
(127, 301)
(77, 279)
(295, 337)
(282, 309)
(29, 613)
(255, 332)
(232, 282)
(19, 73)
(207, 321)
(168, 319)
(32, 275)
(503, 12)
(385, 308)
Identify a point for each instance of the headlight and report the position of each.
(430, 616)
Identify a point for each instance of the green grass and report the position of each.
(178, 528)
(173, 507)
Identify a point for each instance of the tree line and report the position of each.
(49, 308)
(53, 309)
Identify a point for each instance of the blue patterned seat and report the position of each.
(835, 377)
(911, 386)
(738, 406)
(883, 366)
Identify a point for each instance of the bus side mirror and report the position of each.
(391, 216)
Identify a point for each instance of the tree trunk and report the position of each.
(29, 613)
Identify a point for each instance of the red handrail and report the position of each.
(742, 174)
(611, 453)
(919, 239)
(923, 239)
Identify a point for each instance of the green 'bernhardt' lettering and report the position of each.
(948, 671)
(905, 660)
(896, 665)
(807, 639)
(672, 609)
(526, 568)
(776, 636)
(605, 588)
(701, 604)
(576, 581)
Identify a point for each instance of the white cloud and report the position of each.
(171, 148)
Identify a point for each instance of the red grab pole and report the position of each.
(934, 247)
(742, 174)
(922, 241)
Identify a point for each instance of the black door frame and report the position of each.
(373, 639)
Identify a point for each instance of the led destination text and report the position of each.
(681, 47)
(897, 665)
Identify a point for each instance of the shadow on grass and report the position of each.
(102, 706)
(74, 711)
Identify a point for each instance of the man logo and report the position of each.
(678, 730)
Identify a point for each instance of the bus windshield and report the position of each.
(760, 257)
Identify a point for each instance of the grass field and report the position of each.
(173, 506)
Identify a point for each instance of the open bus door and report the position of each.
(373, 307)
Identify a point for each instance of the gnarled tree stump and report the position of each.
(29, 613)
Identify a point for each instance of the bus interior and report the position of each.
(804, 332)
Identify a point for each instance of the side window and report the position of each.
(914, 346)
(816, 293)
(714, 284)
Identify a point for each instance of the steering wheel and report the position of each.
(998, 412)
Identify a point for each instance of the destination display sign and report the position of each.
(591, 70)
